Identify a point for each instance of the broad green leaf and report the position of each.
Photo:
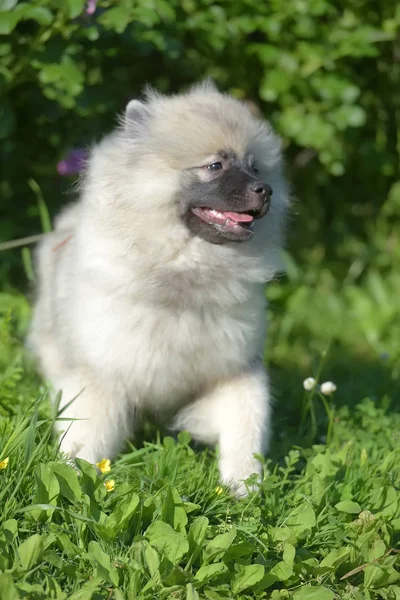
(53, 559)
(191, 593)
(30, 551)
(396, 525)
(281, 571)
(184, 438)
(7, 4)
(197, 535)
(284, 568)
(377, 550)
(47, 486)
(247, 577)
(289, 552)
(105, 533)
(282, 534)
(212, 594)
(120, 518)
(63, 80)
(87, 590)
(172, 544)
(274, 83)
(167, 13)
(67, 546)
(75, 7)
(8, 21)
(8, 591)
(30, 590)
(117, 18)
(5, 557)
(221, 542)
(301, 520)
(38, 13)
(153, 563)
(9, 529)
(146, 15)
(89, 479)
(372, 574)
(9, 18)
(102, 562)
(49, 540)
(207, 572)
(381, 574)
(389, 502)
(349, 507)
(307, 592)
(173, 511)
(191, 507)
(68, 480)
(239, 550)
(336, 557)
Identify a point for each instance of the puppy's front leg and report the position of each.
(236, 415)
(95, 420)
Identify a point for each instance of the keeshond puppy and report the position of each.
(151, 287)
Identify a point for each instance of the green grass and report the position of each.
(325, 523)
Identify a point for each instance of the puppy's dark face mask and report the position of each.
(221, 199)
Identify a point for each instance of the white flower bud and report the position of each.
(309, 383)
(328, 387)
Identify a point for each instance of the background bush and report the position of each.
(326, 74)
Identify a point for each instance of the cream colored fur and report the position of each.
(136, 314)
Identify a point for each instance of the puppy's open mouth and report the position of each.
(227, 221)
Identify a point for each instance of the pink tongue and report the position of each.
(239, 217)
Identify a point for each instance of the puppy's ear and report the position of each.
(136, 112)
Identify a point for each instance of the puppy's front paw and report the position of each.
(74, 447)
(235, 472)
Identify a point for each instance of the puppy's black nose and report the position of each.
(263, 190)
(259, 197)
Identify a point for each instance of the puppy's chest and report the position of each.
(171, 355)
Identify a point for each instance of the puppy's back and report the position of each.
(48, 256)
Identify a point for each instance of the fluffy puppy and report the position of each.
(151, 288)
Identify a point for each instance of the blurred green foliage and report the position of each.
(326, 74)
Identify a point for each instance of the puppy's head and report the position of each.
(222, 198)
(202, 162)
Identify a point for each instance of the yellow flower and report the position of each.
(219, 490)
(4, 464)
(104, 465)
(110, 485)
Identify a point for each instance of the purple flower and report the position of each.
(74, 162)
(91, 7)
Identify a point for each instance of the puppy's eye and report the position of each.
(255, 169)
(217, 166)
